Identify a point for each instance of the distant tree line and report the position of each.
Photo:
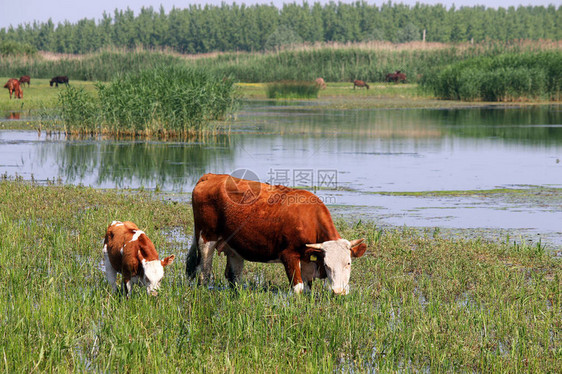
(200, 29)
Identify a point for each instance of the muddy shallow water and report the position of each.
(348, 157)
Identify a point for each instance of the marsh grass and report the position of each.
(418, 301)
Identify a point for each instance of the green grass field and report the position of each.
(38, 95)
(418, 302)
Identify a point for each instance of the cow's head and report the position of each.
(153, 272)
(337, 256)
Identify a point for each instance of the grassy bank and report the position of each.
(418, 301)
(39, 96)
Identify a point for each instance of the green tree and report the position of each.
(408, 33)
(284, 36)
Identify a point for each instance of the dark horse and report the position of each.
(59, 79)
(358, 83)
(25, 79)
(396, 77)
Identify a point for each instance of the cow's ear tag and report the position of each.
(313, 258)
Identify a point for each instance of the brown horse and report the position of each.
(320, 83)
(59, 79)
(13, 85)
(396, 77)
(25, 79)
(358, 83)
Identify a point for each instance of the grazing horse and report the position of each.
(358, 83)
(59, 79)
(13, 85)
(25, 79)
(320, 83)
(396, 77)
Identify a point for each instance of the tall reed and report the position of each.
(165, 99)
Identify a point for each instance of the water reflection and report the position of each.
(11, 115)
(108, 163)
(529, 124)
(371, 150)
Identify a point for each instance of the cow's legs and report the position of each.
(193, 259)
(206, 252)
(127, 285)
(234, 267)
(308, 270)
(110, 272)
(126, 288)
(292, 265)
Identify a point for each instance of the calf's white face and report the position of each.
(153, 274)
(337, 261)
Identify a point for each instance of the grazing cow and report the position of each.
(396, 77)
(253, 221)
(13, 86)
(127, 250)
(25, 79)
(320, 83)
(358, 83)
(59, 79)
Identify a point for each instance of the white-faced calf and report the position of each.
(127, 250)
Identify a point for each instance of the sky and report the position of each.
(15, 12)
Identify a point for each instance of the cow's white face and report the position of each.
(337, 261)
(153, 274)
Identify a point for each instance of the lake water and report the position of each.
(347, 156)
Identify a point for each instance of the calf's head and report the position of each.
(337, 256)
(153, 272)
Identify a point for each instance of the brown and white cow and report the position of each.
(253, 221)
(127, 250)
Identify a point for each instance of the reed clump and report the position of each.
(162, 100)
(506, 77)
(292, 90)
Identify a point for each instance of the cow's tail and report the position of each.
(193, 258)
